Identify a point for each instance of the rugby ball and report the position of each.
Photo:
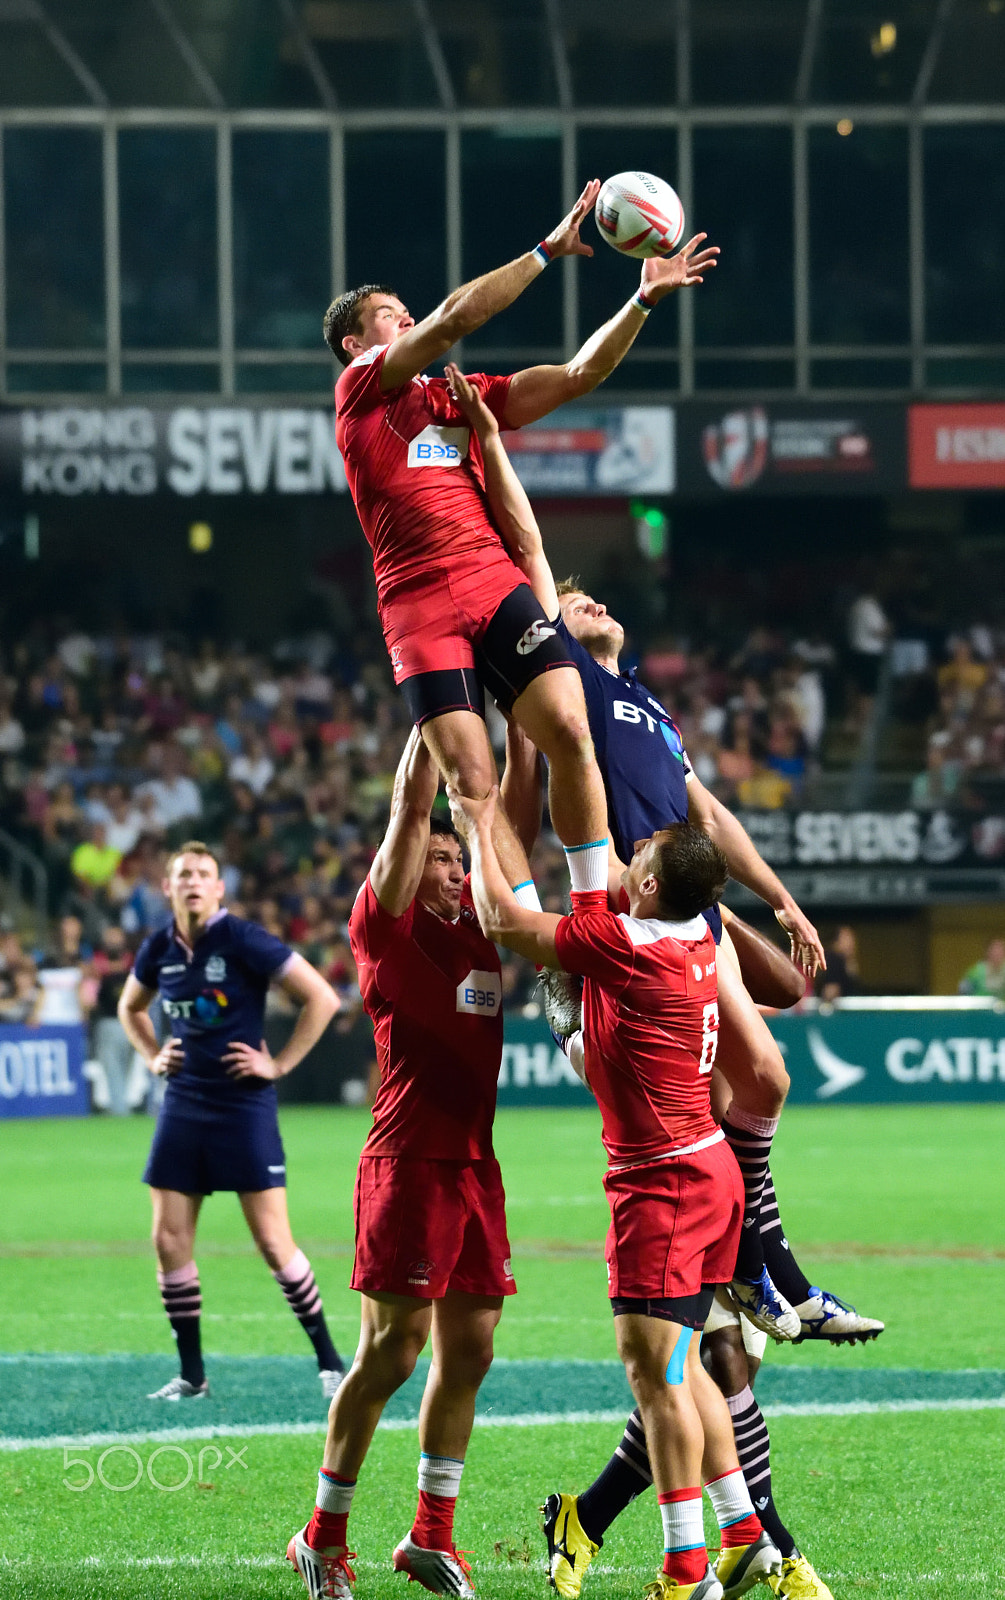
(640, 215)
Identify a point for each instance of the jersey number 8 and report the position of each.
(709, 1035)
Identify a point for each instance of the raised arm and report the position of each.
(398, 864)
(538, 390)
(508, 502)
(521, 790)
(769, 977)
(502, 917)
(468, 307)
(748, 867)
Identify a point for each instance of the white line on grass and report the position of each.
(530, 1419)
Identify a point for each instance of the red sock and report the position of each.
(433, 1528)
(685, 1566)
(327, 1528)
(743, 1532)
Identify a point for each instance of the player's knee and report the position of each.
(388, 1358)
(472, 1361)
(173, 1246)
(275, 1248)
(570, 736)
(725, 1360)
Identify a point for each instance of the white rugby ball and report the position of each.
(640, 215)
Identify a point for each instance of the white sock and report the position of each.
(527, 896)
(730, 1498)
(683, 1528)
(587, 866)
(440, 1475)
(334, 1494)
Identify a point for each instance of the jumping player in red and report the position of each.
(431, 1245)
(457, 613)
(673, 1185)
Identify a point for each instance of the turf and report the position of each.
(898, 1209)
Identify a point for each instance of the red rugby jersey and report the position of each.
(434, 993)
(415, 472)
(651, 1020)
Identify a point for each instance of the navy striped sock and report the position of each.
(625, 1476)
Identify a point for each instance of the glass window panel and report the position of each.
(55, 377)
(373, 52)
(859, 236)
(607, 281)
(627, 61)
(286, 377)
(965, 234)
(743, 201)
(749, 54)
(979, 374)
(971, 62)
(251, 51)
(55, 238)
(282, 238)
(497, 57)
(411, 255)
(167, 230)
(869, 52)
(643, 376)
(32, 72)
(511, 195)
(852, 373)
(742, 374)
(163, 377)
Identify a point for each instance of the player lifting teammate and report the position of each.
(217, 1126)
(431, 1246)
(457, 613)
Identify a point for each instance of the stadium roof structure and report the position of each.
(495, 55)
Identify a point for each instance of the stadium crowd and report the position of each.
(115, 749)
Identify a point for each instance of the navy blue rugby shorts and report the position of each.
(237, 1148)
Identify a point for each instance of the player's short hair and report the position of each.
(441, 826)
(191, 847)
(690, 869)
(343, 316)
(569, 585)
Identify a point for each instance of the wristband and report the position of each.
(543, 253)
(644, 305)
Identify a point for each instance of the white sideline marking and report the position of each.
(530, 1419)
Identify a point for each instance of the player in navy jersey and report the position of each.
(217, 1127)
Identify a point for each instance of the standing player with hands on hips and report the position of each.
(457, 613)
(217, 1127)
(673, 1185)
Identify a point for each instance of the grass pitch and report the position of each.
(898, 1210)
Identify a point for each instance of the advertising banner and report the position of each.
(791, 448)
(892, 1057)
(41, 1072)
(833, 1056)
(956, 447)
(65, 452)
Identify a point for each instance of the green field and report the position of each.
(887, 1459)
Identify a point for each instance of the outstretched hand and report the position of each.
(468, 814)
(470, 401)
(661, 275)
(806, 949)
(564, 240)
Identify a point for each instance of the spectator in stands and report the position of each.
(987, 976)
(962, 676)
(61, 996)
(111, 965)
(94, 862)
(20, 997)
(869, 633)
(939, 784)
(842, 976)
(176, 799)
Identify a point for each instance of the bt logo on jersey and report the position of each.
(480, 994)
(438, 447)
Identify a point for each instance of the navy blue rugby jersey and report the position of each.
(213, 996)
(640, 754)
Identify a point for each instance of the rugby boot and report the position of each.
(439, 1571)
(763, 1305)
(570, 1551)
(798, 1581)
(707, 1588)
(180, 1389)
(824, 1316)
(326, 1573)
(740, 1567)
